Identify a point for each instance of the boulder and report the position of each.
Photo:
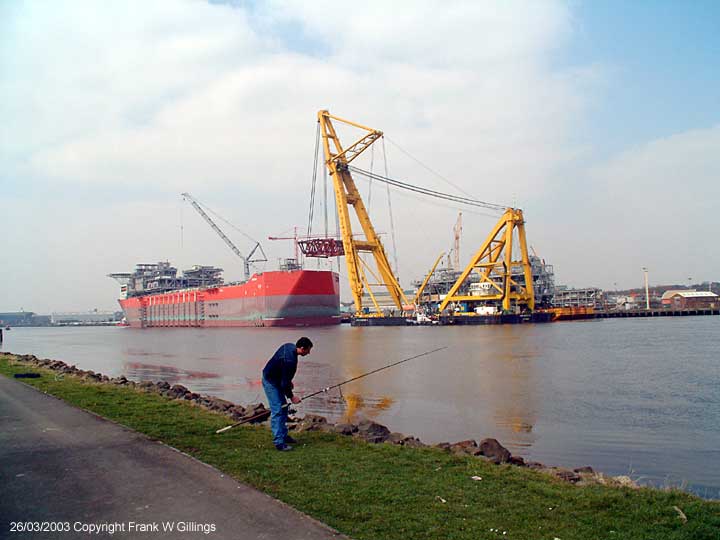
(344, 429)
(584, 470)
(237, 412)
(413, 442)
(372, 431)
(492, 449)
(178, 391)
(467, 447)
(219, 404)
(565, 474)
(257, 412)
(313, 422)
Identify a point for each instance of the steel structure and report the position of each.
(494, 264)
(421, 289)
(337, 159)
(246, 260)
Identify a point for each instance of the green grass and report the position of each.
(383, 491)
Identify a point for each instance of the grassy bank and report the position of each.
(388, 492)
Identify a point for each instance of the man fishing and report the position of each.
(277, 382)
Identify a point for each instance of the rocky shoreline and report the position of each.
(487, 449)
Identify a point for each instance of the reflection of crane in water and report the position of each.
(356, 403)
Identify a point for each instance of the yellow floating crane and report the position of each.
(337, 159)
(494, 264)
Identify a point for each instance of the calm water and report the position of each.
(639, 397)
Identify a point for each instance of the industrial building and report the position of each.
(690, 299)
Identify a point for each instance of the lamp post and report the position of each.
(689, 283)
(647, 295)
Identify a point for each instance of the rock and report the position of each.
(565, 474)
(404, 440)
(443, 446)
(258, 412)
(467, 447)
(237, 412)
(516, 460)
(584, 470)
(163, 385)
(178, 391)
(625, 481)
(372, 431)
(534, 465)
(255, 408)
(344, 429)
(315, 419)
(313, 422)
(413, 442)
(492, 449)
(219, 404)
(147, 385)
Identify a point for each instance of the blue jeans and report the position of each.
(278, 413)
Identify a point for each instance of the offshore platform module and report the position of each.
(498, 279)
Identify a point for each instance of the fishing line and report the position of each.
(255, 417)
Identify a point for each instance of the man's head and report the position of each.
(303, 346)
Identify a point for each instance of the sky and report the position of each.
(601, 120)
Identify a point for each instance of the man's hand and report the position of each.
(295, 400)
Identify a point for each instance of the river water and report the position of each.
(639, 397)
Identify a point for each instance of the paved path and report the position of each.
(62, 464)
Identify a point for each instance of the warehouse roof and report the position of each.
(688, 294)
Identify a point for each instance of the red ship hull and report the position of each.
(279, 298)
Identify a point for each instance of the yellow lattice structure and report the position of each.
(347, 195)
(494, 264)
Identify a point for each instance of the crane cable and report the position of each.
(428, 192)
(206, 207)
(392, 221)
(314, 180)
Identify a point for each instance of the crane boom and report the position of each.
(347, 195)
(246, 260)
(427, 279)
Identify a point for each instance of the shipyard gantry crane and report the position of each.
(347, 195)
(494, 264)
(246, 260)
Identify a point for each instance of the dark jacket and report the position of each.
(280, 369)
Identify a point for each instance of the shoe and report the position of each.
(290, 440)
(283, 447)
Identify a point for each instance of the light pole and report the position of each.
(689, 283)
(647, 295)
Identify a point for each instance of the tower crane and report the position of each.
(246, 260)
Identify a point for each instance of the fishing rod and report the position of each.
(265, 413)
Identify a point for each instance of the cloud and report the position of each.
(654, 205)
(127, 102)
